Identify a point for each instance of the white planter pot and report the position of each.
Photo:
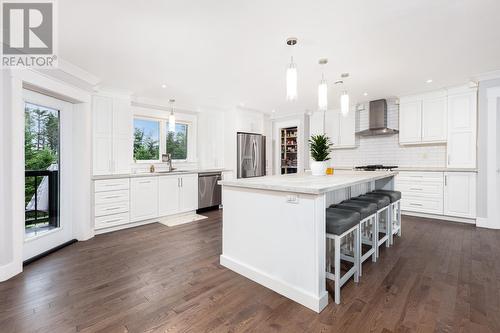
(319, 168)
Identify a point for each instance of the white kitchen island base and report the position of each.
(274, 229)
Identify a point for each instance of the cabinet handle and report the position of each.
(416, 189)
(445, 180)
(182, 182)
(111, 196)
(145, 182)
(112, 208)
(415, 204)
(113, 220)
(449, 159)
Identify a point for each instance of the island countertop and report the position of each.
(308, 184)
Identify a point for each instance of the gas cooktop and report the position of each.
(375, 167)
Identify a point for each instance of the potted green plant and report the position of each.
(321, 147)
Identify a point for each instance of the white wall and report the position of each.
(386, 149)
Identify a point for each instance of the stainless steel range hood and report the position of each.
(377, 116)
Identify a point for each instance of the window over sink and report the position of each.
(152, 139)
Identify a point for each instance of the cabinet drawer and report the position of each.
(111, 208)
(111, 220)
(420, 177)
(111, 197)
(434, 189)
(111, 185)
(423, 205)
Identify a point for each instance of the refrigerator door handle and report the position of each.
(254, 143)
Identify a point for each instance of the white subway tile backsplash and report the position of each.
(386, 149)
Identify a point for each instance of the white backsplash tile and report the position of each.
(386, 149)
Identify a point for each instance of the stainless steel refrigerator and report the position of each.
(251, 155)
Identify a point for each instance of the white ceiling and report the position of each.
(222, 53)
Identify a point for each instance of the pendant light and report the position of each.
(323, 89)
(344, 96)
(291, 75)
(171, 117)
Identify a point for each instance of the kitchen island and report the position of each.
(274, 229)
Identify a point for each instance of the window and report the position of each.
(177, 144)
(146, 139)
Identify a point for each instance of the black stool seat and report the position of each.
(393, 195)
(364, 208)
(339, 220)
(380, 200)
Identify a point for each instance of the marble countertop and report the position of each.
(157, 174)
(306, 183)
(420, 168)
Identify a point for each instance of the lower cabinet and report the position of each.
(143, 198)
(177, 194)
(440, 193)
(460, 194)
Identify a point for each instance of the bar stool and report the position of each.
(367, 227)
(383, 225)
(395, 197)
(342, 226)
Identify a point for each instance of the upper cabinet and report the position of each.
(462, 114)
(112, 135)
(423, 118)
(340, 129)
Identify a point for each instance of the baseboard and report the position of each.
(281, 287)
(10, 270)
(439, 217)
(484, 222)
(125, 226)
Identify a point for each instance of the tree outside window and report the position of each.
(177, 142)
(146, 140)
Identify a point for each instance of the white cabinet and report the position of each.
(410, 122)
(112, 135)
(460, 194)
(441, 193)
(111, 203)
(434, 120)
(177, 194)
(462, 113)
(168, 195)
(189, 193)
(340, 129)
(422, 118)
(143, 198)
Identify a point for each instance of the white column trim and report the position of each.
(492, 219)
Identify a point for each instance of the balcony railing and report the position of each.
(42, 191)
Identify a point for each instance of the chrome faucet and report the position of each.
(168, 159)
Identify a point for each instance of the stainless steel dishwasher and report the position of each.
(209, 192)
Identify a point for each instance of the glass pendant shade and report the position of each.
(344, 103)
(171, 122)
(291, 82)
(322, 96)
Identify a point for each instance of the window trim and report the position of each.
(163, 122)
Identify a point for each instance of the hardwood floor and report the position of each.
(439, 276)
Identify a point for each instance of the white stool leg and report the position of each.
(374, 237)
(388, 226)
(357, 254)
(399, 218)
(391, 221)
(337, 269)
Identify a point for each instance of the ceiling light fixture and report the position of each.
(291, 74)
(164, 86)
(344, 96)
(171, 117)
(429, 81)
(322, 89)
(365, 94)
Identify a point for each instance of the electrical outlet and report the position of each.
(292, 198)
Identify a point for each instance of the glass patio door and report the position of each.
(47, 152)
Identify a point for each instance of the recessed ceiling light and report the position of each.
(164, 86)
(273, 110)
(429, 81)
(365, 94)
